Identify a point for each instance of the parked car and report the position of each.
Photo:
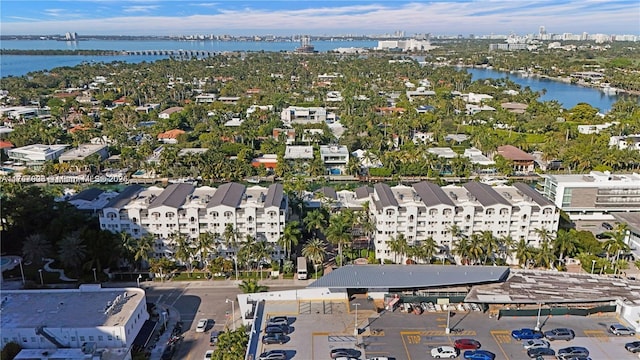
(572, 351)
(208, 354)
(273, 329)
(444, 352)
(344, 352)
(602, 236)
(278, 320)
(633, 346)
(273, 355)
(479, 355)
(560, 334)
(541, 353)
(381, 358)
(619, 330)
(213, 338)
(275, 339)
(607, 226)
(526, 334)
(202, 325)
(535, 343)
(466, 344)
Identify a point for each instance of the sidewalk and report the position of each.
(173, 318)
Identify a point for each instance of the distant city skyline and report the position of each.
(333, 17)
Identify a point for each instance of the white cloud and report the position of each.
(439, 17)
(139, 8)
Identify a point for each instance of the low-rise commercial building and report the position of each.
(83, 151)
(110, 319)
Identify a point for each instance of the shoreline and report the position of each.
(564, 80)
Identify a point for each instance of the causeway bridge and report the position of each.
(181, 53)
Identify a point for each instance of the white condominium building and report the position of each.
(593, 196)
(425, 210)
(182, 208)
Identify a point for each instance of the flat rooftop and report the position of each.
(548, 287)
(409, 276)
(69, 308)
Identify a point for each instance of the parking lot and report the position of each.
(411, 337)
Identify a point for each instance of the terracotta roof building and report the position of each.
(522, 162)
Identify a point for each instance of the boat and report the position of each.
(609, 90)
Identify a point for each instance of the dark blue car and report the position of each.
(479, 355)
(526, 334)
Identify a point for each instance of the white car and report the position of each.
(535, 344)
(444, 352)
(208, 355)
(202, 325)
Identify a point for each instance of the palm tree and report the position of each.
(490, 244)
(339, 232)
(72, 251)
(35, 248)
(251, 287)
(183, 248)
(230, 236)
(206, 241)
(315, 221)
(544, 256)
(399, 246)
(290, 237)
(506, 245)
(524, 252)
(543, 234)
(462, 250)
(315, 250)
(564, 244)
(427, 249)
(138, 250)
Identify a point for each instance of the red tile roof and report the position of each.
(171, 134)
(511, 152)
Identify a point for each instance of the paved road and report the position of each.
(203, 300)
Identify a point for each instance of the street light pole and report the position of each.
(22, 272)
(95, 277)
(538, 321)
(41, 278)
(235, 260)
(447, 330)
(233, 312)
(355, 324)
(593, 265)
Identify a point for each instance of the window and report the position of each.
(446, 212)
(73, 338)
(433, 212)
(82, 338)
(109, 337)
(169, 215)
(490, 211)
(90, 338)
(100, 337)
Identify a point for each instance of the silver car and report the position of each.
(619, 330)
(560, 334)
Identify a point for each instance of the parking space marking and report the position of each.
(406, 350)
(501, 337)
(598, 334)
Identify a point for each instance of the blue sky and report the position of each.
(329, 17)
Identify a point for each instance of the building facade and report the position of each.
(36, 155)
(593, 196)
(425, 210)
(335, 158)
(70, 318)
(303, 115)
(183, 209)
